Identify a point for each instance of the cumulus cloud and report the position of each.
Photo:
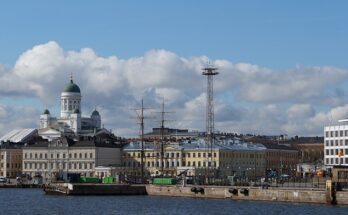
(249, 98)
(17, 117)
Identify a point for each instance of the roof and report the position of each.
(200, 144)
(65, 141)
(94, 143)
(277, 146)
(38, 145)
(10, 146)
(19, 135)
(95, 113)
(71, 88)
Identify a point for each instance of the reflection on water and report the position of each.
(34, 201)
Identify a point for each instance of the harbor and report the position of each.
(33, 201)
(276, 194)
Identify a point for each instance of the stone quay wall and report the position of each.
(248, 193)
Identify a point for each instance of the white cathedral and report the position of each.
(70, 121)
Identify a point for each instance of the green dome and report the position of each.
(95, 113)
(46, 111)
(72, 88)
(77, 111)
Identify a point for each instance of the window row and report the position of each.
(336, 161)
(18, 156)
(340, 133)
(170, 154)
(336, 142)
(170, 164)
(57, 155)
(74, 165)
(11, 165)
(335, 152)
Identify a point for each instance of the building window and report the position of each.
(188, 155)
(45, 155)
(332, 134)
(199, 154)
(327, 134)
(188, 163)
(194, 155)
(336, 133)
(63, 155)
(341, 133)
(57, 155)
(91, 155)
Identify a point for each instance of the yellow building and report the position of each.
(245, 160)
(10, 160)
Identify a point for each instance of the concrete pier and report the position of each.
(95, 189)
(295, 195)
(248, 193)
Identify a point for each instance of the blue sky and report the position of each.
(256, 44)
(277, 34)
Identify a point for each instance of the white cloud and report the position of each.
(249, 98)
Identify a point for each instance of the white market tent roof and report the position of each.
(19, 135)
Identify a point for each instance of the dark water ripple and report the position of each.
(34, 201)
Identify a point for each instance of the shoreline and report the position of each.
(273, 194)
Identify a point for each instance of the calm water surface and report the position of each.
(34, 201)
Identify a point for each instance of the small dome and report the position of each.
(46, 111)
(77, 111)
(71, 88)
(95, 113)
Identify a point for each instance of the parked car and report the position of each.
(3, 179)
